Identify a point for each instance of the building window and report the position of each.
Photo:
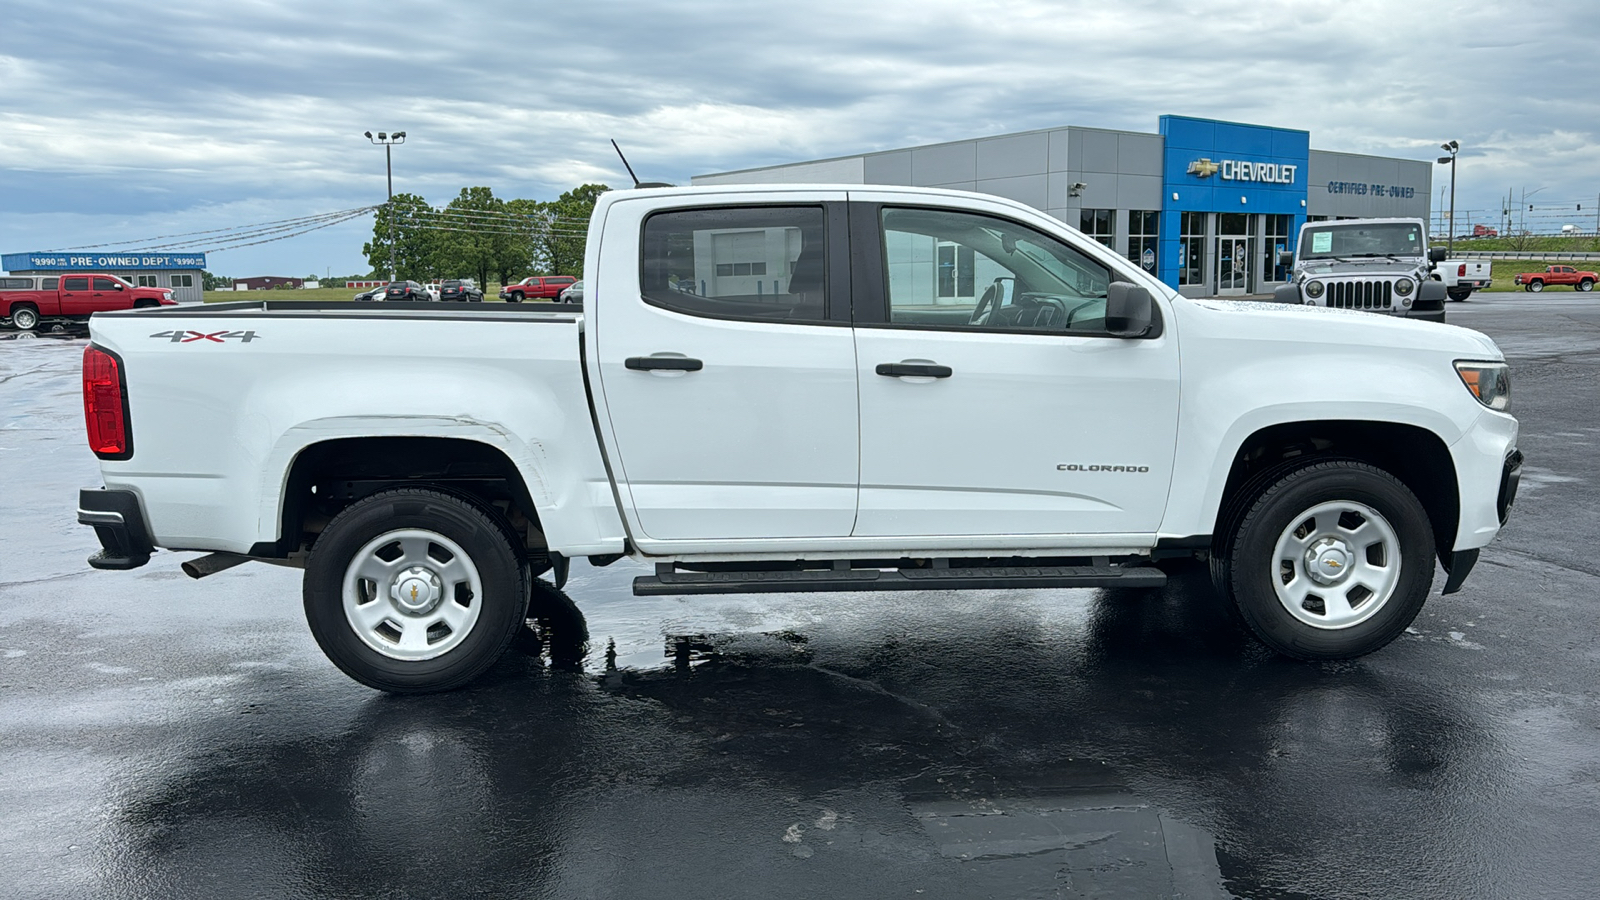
(1276, 238)
(145, 280)
(1316, 218)
(1144, 228)
(1098, 224)
(1192, 248)
(178, 281)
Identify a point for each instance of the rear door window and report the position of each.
(75, 283)
(762, 263)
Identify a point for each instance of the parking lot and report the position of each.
(162, 737)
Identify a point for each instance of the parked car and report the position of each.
(572, 294)
(537, 287)
(1323, 461)
(1463, 276)
(433, 290)
(1553, 275)
(30, 301)
(406, 290)
(461, 291)
(373, 294)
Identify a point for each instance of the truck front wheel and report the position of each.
(413, 591)
(1331, 561)
(1586, 285)
(1536, 286)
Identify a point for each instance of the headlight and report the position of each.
(1314, 289)
(1490, 382)
(1404, 286)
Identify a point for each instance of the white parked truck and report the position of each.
(802, 388)
(1374, 265)
(1461, 277)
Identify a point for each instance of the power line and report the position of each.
(143, 241)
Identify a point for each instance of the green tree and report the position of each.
(475, 235)
(416, 239)
(210, 282)
(526, 220)
(559, 249)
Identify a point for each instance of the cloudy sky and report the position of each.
(122, 121)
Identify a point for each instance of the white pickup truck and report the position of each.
(802, 388)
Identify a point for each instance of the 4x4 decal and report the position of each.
(189, 337)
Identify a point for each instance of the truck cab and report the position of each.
(1375, 265)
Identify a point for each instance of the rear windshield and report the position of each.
(449, 284)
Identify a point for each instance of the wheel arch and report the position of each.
(1419, 458)
(326, 476)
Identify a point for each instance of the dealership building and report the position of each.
(1203, 204)
(181, 272)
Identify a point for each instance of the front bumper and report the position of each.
(118, 522)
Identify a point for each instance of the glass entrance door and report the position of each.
(1233, 253)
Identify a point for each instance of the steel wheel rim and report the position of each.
(1336, 565)
(412, 594)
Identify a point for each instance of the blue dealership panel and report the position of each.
(82, 261)
(1226, 167)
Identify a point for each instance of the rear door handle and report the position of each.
(676, 363)
(916, 370)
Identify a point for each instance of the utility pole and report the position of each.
(1450, 236)
(388, 141)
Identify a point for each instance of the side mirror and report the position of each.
(1436, 254)
(118, 285)
(1286, 258)
(1129, 309)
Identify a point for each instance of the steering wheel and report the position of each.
(986, 306)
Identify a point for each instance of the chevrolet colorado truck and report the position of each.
(1553, 275)
(30, 301)
(866, 389)
(1376, 265)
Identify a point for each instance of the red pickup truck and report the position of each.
(1538, 281)
(537, 287)
(29, 301)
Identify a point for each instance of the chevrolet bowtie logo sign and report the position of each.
(1204, 168)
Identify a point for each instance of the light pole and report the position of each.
(388, 141)
(1450, 237)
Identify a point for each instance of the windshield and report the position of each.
(1358, 240)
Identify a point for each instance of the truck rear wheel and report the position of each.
(1331, 561)
(1459, 294)
(413, 591)
(26, 318)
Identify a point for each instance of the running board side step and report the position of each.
(667, 582)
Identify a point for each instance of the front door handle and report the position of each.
(674, 363)
(915, 370)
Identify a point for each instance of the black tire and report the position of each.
(1586, 285)
(514, 297)
(1249, 565)
(24, 317)
(1536, 286)
(484, 541)
(1459, 294)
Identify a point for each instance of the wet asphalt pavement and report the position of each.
(162, 737)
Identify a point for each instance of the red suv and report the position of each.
(536, 287)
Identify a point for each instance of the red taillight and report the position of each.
(103, 404)
(1461, 272)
